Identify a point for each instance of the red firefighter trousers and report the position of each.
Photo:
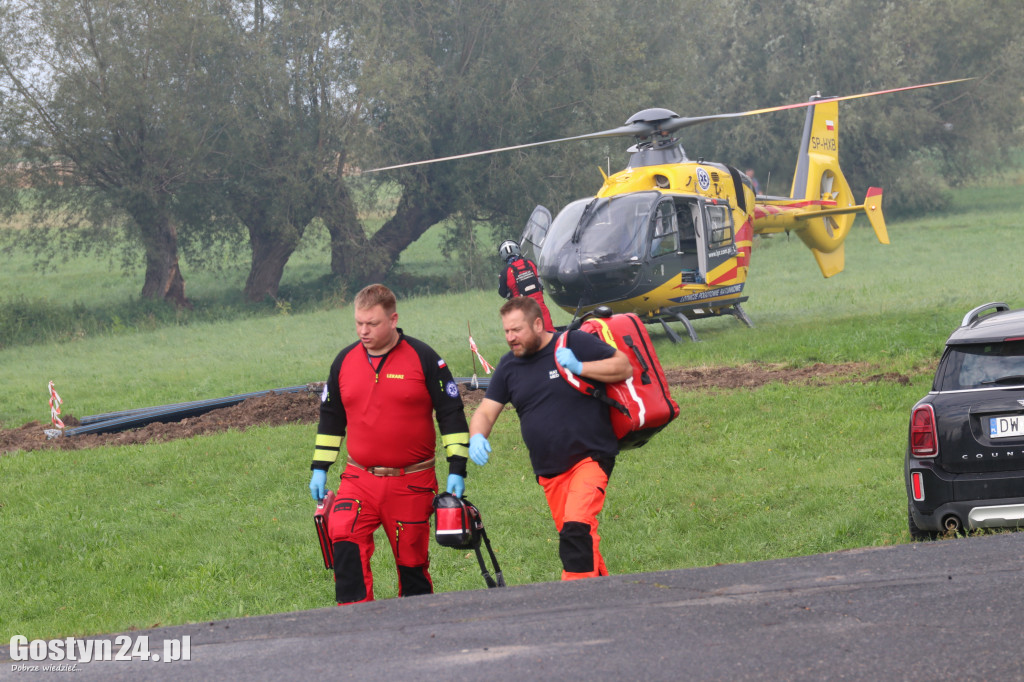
(576, 498)
(545, 314)
(402, 505)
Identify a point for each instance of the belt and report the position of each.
(394, 471)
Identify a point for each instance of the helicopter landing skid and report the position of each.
(740, 315)
(671, 332)
(697, 312)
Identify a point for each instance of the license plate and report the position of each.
(1006, 426)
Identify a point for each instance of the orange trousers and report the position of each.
(576, 498)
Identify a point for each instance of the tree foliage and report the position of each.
(285, 147)
(106, 93)
(913, 143)
(179, 126)
(450, 78)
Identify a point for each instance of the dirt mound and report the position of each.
(754, 375)
(275, 409)
(272, 409)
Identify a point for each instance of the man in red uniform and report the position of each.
(382, 392)
(568, 434)
(519, 278)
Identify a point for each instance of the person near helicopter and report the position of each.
(519, 278)
(383, 379)
(568, 435)
(753, 180)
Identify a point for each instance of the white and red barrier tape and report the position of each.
(486, 365)
(55, 402)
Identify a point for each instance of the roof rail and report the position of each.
(972, 317)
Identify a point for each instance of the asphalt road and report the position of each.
(952, 609)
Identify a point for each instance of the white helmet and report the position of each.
(508, 249)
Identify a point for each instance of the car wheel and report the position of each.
(915, 532)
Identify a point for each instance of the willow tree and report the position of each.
(438, 78)
(284, 145)
(119, 105)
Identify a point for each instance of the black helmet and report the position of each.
(508, 249)
(457, 523)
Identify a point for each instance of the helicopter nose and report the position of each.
(569, 272)
(563, 278)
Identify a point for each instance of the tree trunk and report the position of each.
(160, 239)
(270, 253)
(348, 239)
(414, 216)
(164, 280)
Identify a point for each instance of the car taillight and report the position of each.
(924, 440)
(917, 485)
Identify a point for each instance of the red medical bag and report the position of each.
(641, 405)
(323, 510)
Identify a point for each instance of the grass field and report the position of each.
(220, 526)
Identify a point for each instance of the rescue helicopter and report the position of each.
(669, 238)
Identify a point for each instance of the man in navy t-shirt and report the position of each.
(568, 434)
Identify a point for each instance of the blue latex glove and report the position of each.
(478, 448)
(456, 485)
(317, 484)
(566, 358)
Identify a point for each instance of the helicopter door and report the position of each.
(693, 259)
(664, 238)
(535, 232)
(718, 236)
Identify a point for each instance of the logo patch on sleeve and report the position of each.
(323, 395)
(440, 363)
(451, 389)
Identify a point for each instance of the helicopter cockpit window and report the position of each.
(665, 235)
(720, 226)
(536, 231)
(598, 235)
(615, 229)
(559, 234)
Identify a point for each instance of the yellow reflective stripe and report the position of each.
(326, 440)
(606, 334)
(456, 444)
(457, 450)
(327, 448)
(455, 439)
(325, 455)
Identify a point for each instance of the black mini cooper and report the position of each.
(964, 466)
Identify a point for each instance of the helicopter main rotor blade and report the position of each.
(673, 124)
(633, 129)
(668, 125)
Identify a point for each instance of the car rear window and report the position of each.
(985, 365)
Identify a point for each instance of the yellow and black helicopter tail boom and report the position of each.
(821, 207)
